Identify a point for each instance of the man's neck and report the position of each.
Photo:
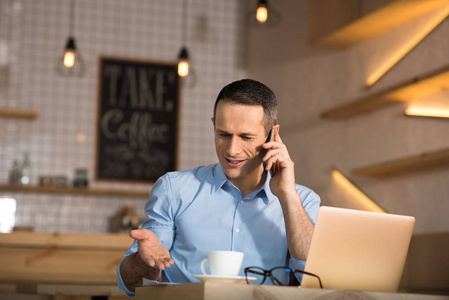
(251, 182)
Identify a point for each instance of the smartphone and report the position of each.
(269, 139)
(270, 136)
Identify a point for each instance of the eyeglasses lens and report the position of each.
(257, 273)
(280, 276)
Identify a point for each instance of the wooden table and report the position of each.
(226, 291)
(61, 291)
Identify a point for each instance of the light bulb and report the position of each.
(183, 68)
(262, 13)
(69, 58)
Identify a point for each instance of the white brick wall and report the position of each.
(36, 34)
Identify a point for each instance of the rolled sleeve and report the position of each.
(160, 221)
(298, 265)
(159, 210)
(311, 203)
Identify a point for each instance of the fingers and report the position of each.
(141, 234)
(274, 145)
(167, 263)
(160, 263)
(277, 159)
(278, 154)
(136, 234)
(272, 162)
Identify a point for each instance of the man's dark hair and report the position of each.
(251, 92)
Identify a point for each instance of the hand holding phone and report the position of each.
(270, 138)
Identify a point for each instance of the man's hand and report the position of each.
(150, 258)
(278, 160)
(298, 226)
(150, 249)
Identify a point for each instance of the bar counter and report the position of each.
(226, 291)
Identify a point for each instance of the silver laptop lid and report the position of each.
(358, 250)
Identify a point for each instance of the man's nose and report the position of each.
(234, 146)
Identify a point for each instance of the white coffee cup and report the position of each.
(223, 263)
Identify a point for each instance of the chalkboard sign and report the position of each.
(137, 120)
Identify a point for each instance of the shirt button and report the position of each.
(241, 201)
(237, 230)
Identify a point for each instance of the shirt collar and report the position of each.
(265, 192)
(219, 177)
(269, 197)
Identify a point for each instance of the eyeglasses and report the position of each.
(277, 275)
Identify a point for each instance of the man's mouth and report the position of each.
(234, 163)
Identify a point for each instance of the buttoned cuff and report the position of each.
(298, 265)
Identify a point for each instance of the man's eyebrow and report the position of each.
(221, 131)
(247, 134)
(240, 134)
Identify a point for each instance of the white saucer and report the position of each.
(228, 279)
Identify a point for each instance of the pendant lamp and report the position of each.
(71, 63)
(263, 15)
(183, 58)
(185, 70)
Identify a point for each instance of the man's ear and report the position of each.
(277, 127)
(213, 121)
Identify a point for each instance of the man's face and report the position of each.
(239, 135)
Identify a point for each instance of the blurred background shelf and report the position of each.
(357, 21)
(413, 163)
(412, 89)
(71, 190)
(18, 113)
(41, 257)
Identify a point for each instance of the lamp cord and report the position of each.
(184, 23)
(72, 16)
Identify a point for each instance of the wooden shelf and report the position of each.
(407, 91)
(18, 113)
(412, 163)
(88, 241)
(349, 26)
(71, 190)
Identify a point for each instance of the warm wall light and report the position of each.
(262, 11)
(434, 112)
(263, 15)
(185, 70)
(71, 64)
(69, 56)
(183, 64)
(384, 68)
(355, 192)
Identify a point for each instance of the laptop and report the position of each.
(358, 250)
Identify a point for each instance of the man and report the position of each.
(249, 202)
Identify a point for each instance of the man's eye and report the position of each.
(246, 138)
(224, 135)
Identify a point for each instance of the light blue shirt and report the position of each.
(200, 210)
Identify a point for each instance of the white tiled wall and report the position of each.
(36, 31)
